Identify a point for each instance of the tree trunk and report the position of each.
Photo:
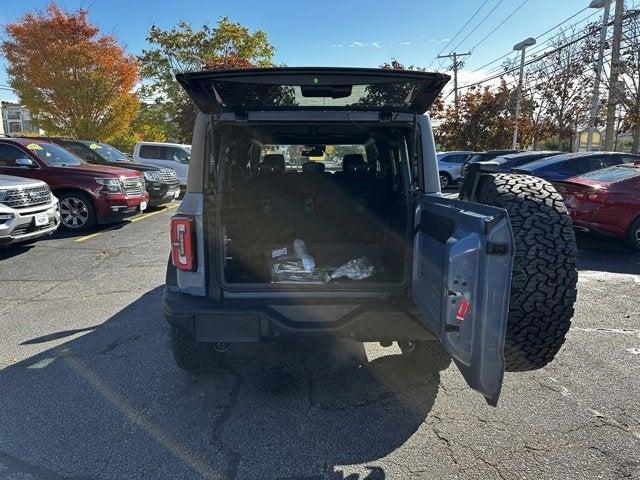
(635, 148)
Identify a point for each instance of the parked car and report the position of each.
(483, 157)
(561, 167)
(606, 201)
(28, 210)
(262, 250)
(161, 184)
(450, 167)
(512, 160)
(88, 194)
(169, 155)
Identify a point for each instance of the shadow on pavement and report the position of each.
(606, 254)
(112, 404)
(10, 251)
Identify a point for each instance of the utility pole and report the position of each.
(595, 98)
(456, 65)
(614, 94)
(522, 46)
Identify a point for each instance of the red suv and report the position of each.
(606, 201)
(88, 194)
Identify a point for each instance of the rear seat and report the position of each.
(318, 207)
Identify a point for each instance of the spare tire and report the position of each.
(543, 285)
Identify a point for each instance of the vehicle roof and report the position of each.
(26, 140)
(544, 162)
(530, 153)
(168, 144)
(453, 152)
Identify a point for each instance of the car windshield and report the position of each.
(53, 155)
(109, 153)
(296, 155)
(613, 174)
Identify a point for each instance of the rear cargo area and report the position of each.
(346, 214)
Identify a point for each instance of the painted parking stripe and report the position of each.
(133, 219)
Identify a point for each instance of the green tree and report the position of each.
(228, 45)
(74, 80)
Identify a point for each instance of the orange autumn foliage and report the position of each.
(74, 81)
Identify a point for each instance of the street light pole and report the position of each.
(522, 46)
(595, 98)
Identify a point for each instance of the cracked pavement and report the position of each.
(89, 390)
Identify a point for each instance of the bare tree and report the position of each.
(630, 65)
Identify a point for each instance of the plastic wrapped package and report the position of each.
(356, 269)
(300, 267)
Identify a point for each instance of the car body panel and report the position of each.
(160, 191)
(154, 158)
(452, 168)
(612, 210)
(561, 167)
(109, 207)
(462, 287)
(35, 218)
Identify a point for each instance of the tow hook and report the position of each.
(221, 346)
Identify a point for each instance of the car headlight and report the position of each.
(152, 176)
(112, 185)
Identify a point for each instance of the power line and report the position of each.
(458, 33)
(499, 25)
(543, 55)
(539, 36)
(481, 22)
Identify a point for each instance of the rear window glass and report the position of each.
(397, 96)
(296, 155)
(613, 174)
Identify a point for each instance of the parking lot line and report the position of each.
(92, 235)
(150, 214)
(134, 219)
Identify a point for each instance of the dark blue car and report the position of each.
(561, 167)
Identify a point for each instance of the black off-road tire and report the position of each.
(543, 285)
(194, 357)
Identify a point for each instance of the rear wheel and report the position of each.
(634, 234)
(445, 180)
(543, 285)
(194, 357)
(77, 212)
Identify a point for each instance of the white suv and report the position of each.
(450, 167)
(28, 210)
(171, 155)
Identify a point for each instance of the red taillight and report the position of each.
(183, 243)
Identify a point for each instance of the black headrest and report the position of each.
(273, 163)
(313, 167)
(354, 163)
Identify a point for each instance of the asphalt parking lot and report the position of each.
(88, 389)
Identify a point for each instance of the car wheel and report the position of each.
(194, 357)
(634, 234)
(445, 181)
(77, 212)
(544, 279)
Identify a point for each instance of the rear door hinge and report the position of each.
(494, 248)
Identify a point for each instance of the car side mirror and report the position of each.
(25, 163)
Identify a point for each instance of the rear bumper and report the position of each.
(18, 225)
(203, 320)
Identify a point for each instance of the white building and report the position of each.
(16, 119)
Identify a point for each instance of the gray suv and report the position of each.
(28, 210)
(313, 209)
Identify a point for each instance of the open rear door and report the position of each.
(313, 88)
(462, 261)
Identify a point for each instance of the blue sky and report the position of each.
(362, 33)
